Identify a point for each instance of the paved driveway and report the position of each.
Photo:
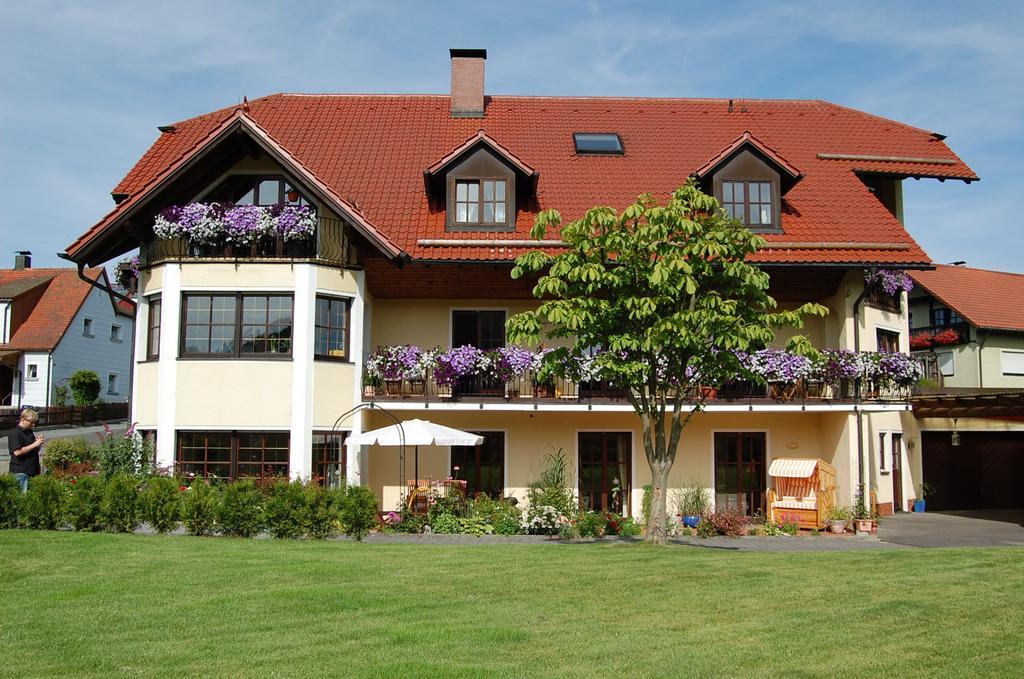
(983, 528)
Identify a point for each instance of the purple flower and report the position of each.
(245, 224)
(457, 363)
(892, 281)
(294, 223)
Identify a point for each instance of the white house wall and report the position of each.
(97, 353)
(33, 391)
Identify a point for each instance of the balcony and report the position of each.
(412, 375)
(328, 244)
(936, 336)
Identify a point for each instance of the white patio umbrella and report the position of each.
(415, 433)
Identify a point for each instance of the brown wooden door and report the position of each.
(740, 471)
(897, 473)
(604, 470)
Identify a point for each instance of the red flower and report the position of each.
(73, 481)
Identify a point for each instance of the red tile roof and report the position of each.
(987, 299)
(65, 293)
(373, 149)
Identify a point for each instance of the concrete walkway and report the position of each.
(983, 528)
(87, 433)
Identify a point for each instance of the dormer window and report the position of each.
(480, 202)
(750, 202)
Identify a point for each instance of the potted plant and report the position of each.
(863, 517)
(924, 490)
(694, 501)
(837, 519)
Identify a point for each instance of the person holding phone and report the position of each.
(24, 447)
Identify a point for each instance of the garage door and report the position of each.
(986, 471)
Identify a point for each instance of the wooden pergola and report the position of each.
(973, 403)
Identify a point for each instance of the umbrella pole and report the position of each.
(417, 466)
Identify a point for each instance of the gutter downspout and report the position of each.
(49, 377)
(107, 289)
(857, 388)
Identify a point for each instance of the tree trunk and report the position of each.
(659, 504)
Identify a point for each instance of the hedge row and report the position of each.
(240, 508)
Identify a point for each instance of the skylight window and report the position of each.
(597, 142)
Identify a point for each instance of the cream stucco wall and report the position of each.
(237, 393)
(146, 394)
(333, 392)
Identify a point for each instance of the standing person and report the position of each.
(24, 448)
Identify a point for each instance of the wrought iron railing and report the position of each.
(529, 388)
(880, 299)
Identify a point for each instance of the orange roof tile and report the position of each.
(64, 295)
(372, 149)
(987, 299)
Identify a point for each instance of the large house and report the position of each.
(396, 220)
(967, 326)
(52, 324)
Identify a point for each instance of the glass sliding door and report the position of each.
(740, 471)
(604, 470)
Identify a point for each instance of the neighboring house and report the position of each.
(250, 357)
(53, 324)
(967, 325)
(972, 321)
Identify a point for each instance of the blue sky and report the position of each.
(84, 85)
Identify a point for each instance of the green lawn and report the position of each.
(94, 604)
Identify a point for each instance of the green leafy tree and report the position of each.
(85, 387)
(667, 292)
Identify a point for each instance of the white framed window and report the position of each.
(115, 332)
(32, 371)
(881, 452)
(1012, 362)
(87, 327)
(947, 363)
(112, 383)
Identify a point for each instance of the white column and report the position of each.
(304, 309)
(167, 371)
(139, 350)
(356, 460)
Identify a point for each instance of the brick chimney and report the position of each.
(22, 260)
(468, 83)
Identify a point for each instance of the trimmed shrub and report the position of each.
(323, 512)
(199, 506)
(10, 501)
(68, 456)
(160, 502)
(286, 509)
(358, 511)
(44, 504)
(240, 512)
(120, 505)
(85, 504)
(85, 387)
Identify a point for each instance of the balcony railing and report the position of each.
(935, 336)
(529, 388)
(328, 244)
(880, 299)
